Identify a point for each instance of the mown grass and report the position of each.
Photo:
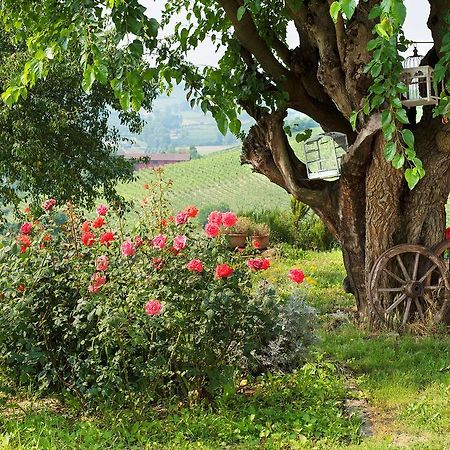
(405, 379)
(299, 410)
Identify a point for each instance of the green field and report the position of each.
(214, 181)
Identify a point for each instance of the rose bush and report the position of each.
(151, 310)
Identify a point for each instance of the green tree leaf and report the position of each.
(240, 12)
(348, 7)
(412, 177)
(401, 116)
(88, 79)
(408, 138)
(335, 8)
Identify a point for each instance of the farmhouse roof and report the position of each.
(159, 156)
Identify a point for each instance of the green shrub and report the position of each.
(145, 325)
(299, 227)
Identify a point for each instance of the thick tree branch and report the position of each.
(267, 149)
(359, 152)
(436, 22)
(316, 21)
(247, 34)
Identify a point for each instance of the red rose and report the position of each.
(447, 233)
(24, 242)
(98, 222)
(195, 265)
(191, 211)
(85, 227)
(256, 244)
(21, 288)
(88, 238)
(107, 238)
(97, 281)
(158, 263)
(26, 228)
(223, 271)
(48, 204)
(296, 276)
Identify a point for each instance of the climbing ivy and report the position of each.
(385, 92)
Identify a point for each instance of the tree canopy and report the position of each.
(56, 141)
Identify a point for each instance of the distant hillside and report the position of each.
(173, 124)
(213, 181)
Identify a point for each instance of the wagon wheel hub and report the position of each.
(414, 289)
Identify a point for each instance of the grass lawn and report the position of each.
(404, 380)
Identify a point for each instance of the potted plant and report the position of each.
(260, 236)
(238, 233)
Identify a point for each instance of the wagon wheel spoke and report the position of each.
(432, 288)
(406, 315)
(396, 303)
(429, 272)
(416, 266)
(395, 277)
(397, 289)
(419, 308)
(402, 266)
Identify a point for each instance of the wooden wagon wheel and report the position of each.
(409, 283)
(442, 249)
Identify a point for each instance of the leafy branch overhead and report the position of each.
(119, 45)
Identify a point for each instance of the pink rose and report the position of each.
(153, 307)
(181, 218)
(179, 242)
(26, 228)
(229, 219)
(159, 241)
(212, 229)
(48, 204)
(102, 210)
(102, 263)
(138, 241)
(215, 217)
(258, 264)
(296, 275)
(97, 281)
(195, 265)
(223, 271)
(127, 248)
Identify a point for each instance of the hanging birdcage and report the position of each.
(323, 155)
(419, 81)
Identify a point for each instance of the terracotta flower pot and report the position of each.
(260, 242)
(236, 240)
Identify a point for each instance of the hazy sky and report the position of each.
(415, 30)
